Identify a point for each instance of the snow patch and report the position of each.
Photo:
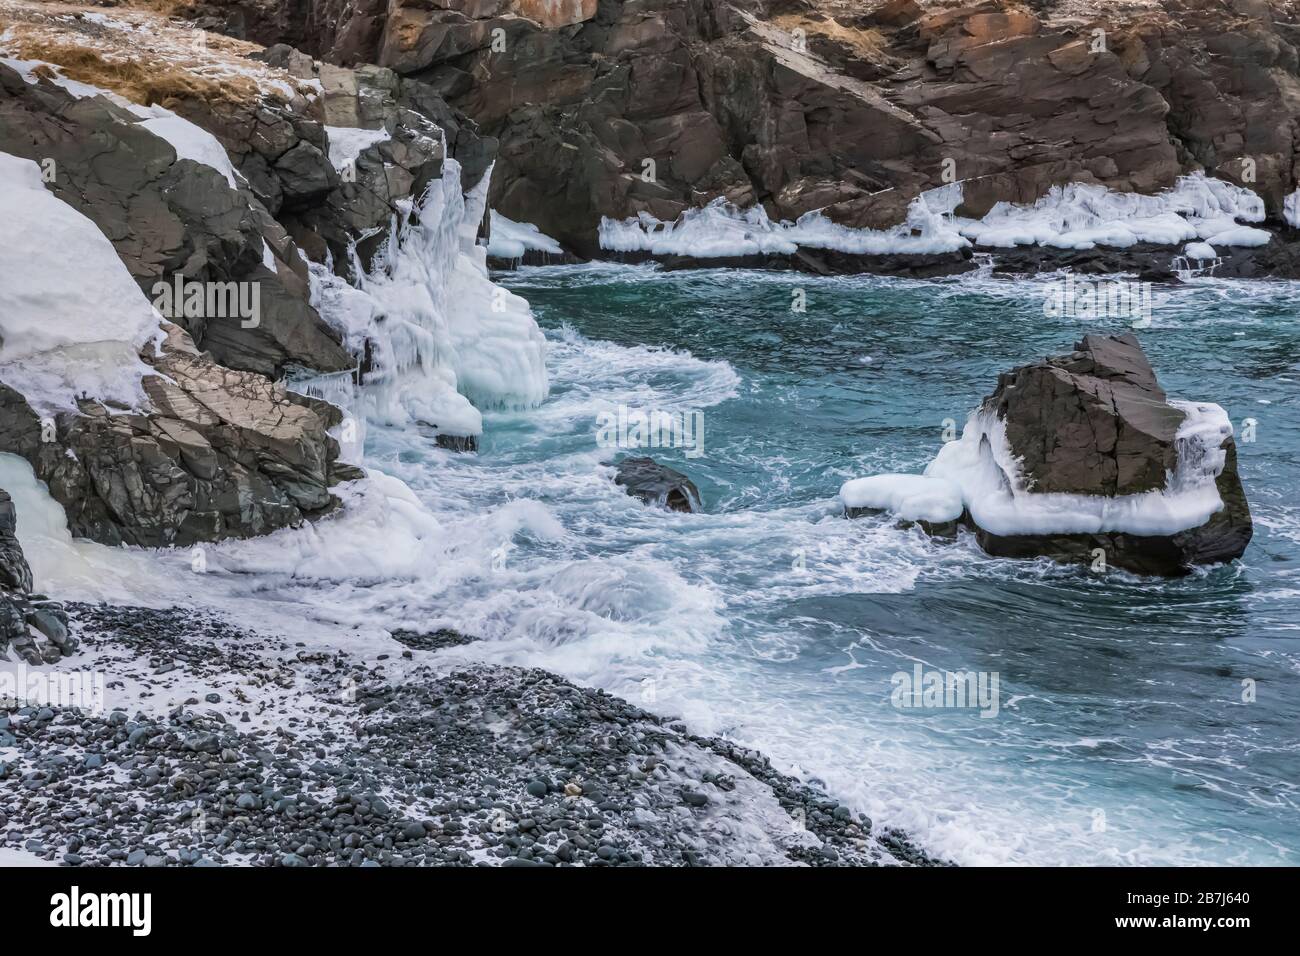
(190, 141)
(510, 239)
(72, 320)
(910, 497)
(347, 143)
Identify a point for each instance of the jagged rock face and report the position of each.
(1094, 422)
(220, 453)
(168, 217)
(777, 103)
(30, 624)
(657, 485)
(15, 575)
(397, 168)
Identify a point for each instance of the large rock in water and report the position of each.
(1096, 422)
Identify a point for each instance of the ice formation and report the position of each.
(1291, 209)
(442, 340)
(510, 239)
(347, 143)
(982, 467)
(911, 497)
(979, 473)
(62, 339)
(1076, 216)
(721, 229)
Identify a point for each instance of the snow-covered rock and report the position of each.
(1082, 457)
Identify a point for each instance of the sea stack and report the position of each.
(1083, 457)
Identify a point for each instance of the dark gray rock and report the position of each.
(658, 485)
(167, 217)
(220, 453)
(15, 575)
(31, 625)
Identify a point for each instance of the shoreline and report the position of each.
(1149, 262)
(244, 749)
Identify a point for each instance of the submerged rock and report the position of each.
(1083, 458)
(658, 485)
(461, 443)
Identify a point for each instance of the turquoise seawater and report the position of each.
(1125, 730)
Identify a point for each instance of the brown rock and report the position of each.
(1093, 422)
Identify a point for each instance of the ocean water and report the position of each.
(1121, 734)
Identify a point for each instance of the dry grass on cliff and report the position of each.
(866, 44)
(171, 8)
(139, 81)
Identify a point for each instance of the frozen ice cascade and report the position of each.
(438, 340)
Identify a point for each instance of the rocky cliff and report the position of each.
(616, 107)
(207, 164)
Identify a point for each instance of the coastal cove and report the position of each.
(741, 433)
